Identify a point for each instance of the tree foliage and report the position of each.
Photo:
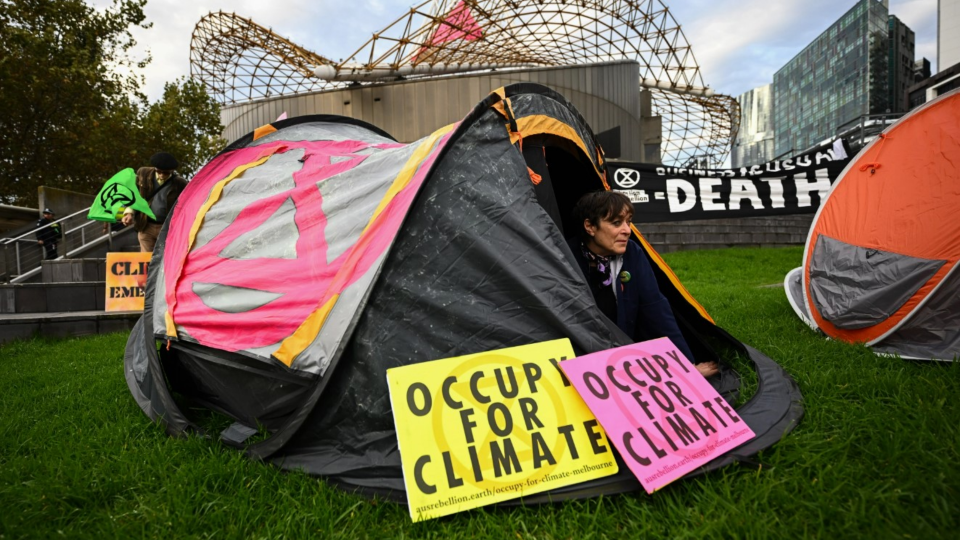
(72, 110)
(186, 123)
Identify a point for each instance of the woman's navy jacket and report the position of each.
(643, 312)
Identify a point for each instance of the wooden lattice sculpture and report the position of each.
(239, 60)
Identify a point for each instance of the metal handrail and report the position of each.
(108, 237)
(24, 263)
(34, 231)
(18, 239)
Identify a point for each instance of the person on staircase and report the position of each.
(49, 234)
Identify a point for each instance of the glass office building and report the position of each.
(755, 140)
(840, 76)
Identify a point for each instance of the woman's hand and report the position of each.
(708, 369)
(127, 219)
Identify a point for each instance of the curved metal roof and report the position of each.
(239, 60)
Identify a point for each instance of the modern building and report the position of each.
(850, 70)
(948, 58)
(900, 64)
(939, 84)
(921, 71)
(948, 33)
(755, 141)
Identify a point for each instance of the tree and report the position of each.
(72, 111)
(186, 123)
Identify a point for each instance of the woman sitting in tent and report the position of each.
(619, 275)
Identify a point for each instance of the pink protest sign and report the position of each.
(661, 414)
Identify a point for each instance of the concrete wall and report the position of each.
(777, 231)
(607, 95)
(16, 217)
(65, 324)
(63, 202)
(52, 297)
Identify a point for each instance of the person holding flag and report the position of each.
(118, 193)
(160, 186)
(143, 198)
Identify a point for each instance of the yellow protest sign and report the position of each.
(126, 278)
(488, 427)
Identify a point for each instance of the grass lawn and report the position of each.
(876, 455)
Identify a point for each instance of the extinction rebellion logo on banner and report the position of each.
(791, 186)
(626, 178)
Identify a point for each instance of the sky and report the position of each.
(739, 44)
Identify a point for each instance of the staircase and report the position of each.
(67, 301)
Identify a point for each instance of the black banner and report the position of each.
(790, 186)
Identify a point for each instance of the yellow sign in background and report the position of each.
(489, 427)
(126, 278)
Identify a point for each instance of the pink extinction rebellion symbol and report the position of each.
(300, 282)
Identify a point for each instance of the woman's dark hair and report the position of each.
(598, 205)
(145, 176)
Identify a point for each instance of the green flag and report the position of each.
(118, 193)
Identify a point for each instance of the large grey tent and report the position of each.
(316, 253)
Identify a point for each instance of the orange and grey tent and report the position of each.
(880, 264)
(317, 252)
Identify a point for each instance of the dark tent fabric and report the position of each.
(479, 263)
